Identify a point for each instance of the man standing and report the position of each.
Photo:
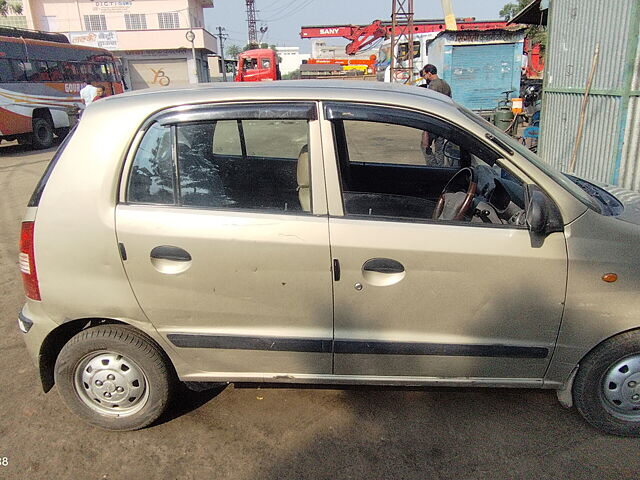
(88, 93)
(430, 73)
(434, 156)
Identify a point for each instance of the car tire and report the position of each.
(606, 390)
(42, 136)
(114, 377)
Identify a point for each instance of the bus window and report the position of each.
(111, 72)
(403, 50)
(38, 72)
(18, 68)
(70, 72)
(416, 49)
(99, 72)
(266, 63)
(55, 71)
(85, 72)
(6, 74)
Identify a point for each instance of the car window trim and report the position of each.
(427, 221)
(294, 110)
(336, 111)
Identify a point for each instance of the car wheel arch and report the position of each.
(565, 392)
(57, 338)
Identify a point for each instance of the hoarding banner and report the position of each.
(105, 39)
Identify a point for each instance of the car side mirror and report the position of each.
(542, 214)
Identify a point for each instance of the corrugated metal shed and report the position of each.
(478, 65)
(609, 151)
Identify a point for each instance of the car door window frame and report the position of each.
(336, 110)
(281, 110)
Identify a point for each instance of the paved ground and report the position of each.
(284, 433)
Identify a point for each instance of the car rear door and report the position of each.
(223, 223)
(416, 297)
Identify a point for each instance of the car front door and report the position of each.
(416, 297)
(226, 238)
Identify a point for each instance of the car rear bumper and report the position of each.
(35, 326)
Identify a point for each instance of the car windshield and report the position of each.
(556, 175)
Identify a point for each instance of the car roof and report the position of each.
(358, 90)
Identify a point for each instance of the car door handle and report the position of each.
(382, 272)
(383, 265)
(169, 252)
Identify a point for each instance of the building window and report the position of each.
(135, 21)
(168, 20)
(95, 23)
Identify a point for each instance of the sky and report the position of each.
(285, 17)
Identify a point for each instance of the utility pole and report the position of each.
(251, 23)
(221, 38)
(401, 31)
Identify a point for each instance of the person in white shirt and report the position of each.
(88, 93)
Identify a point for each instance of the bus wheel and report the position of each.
(42, 135)
(62, 132)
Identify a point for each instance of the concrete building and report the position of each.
(152, 37)
(291, 59)
(215, 68)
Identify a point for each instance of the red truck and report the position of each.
(258, 66)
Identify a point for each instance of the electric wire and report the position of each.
(296, 9)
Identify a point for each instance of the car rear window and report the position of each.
(34, 201)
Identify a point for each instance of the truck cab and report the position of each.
(257, 66)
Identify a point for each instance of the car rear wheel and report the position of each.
(114, 377)
(42, 135)
(607, 387)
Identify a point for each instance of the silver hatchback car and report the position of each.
(328, 233)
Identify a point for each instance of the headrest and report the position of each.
(304, 179)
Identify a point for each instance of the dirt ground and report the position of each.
(252, 433)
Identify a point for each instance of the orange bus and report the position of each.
(41, 76)
(258, 65)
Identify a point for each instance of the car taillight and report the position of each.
(27, 262)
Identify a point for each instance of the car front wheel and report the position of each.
(114, 377)
(607, 387)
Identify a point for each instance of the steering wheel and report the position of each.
(457, 195)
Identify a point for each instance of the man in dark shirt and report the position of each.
(434, 156)
(430, 73)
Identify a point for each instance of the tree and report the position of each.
(233, 51)
(295, 75)
(251, 46)
(535, 33)
(510, 9)
(6, 8)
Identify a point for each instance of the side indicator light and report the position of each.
(610, 277)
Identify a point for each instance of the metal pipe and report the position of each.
(583, 109)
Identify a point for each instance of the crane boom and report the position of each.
(363, 35)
